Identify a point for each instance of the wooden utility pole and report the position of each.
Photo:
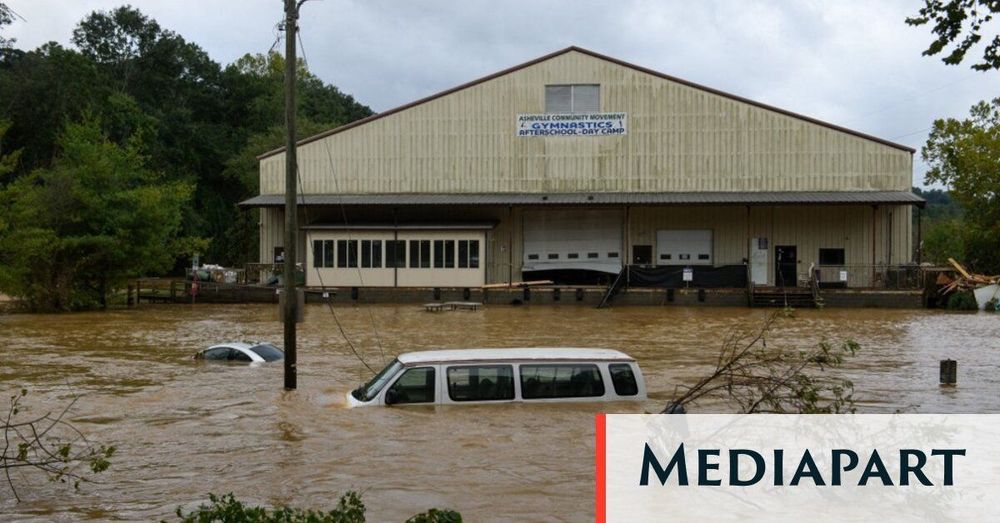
(289, 312)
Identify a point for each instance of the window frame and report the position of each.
(434, 387)
(447, 381)
(614, 382)
(829, 250)
(596, 367)
(573, 97)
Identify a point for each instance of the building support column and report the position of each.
(510, 245)
(920, 227)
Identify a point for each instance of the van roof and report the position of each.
(489, 355)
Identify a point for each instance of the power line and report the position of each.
(343, 209)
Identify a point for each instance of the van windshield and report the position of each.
(369, 390)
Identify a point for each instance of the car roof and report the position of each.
(235, 345)
(514, 354)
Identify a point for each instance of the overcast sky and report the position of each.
(852, 63)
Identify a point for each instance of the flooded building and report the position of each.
(574, 165)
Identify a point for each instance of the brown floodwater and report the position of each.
(184, 428)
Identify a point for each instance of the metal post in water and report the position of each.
(949, 372)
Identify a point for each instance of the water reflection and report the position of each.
(185, 429)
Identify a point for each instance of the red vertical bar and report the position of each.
(600, 473)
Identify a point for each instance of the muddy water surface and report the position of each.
(185, 429)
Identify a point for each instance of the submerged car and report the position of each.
(242, 352)
(471, 376)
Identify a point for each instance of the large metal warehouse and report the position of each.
(573, 165)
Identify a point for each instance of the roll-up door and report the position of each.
(684, 247)
(573, 239)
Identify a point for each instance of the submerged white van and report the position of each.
(478, 376)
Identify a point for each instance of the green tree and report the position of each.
(960, 23)
(965, 155)
(42, 90)
(6, 17)
(80, 228)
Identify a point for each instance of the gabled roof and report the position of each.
(658, 74)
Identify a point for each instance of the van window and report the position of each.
(623, 379)
(481, 383)
(561, 381)
(415, 386)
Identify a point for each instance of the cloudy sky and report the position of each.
(853, 63)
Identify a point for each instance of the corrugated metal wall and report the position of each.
(679, 139)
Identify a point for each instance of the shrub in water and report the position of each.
(349, 509)
(962, 301)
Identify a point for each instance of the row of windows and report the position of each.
(573, 255)
(496, 382)
(368, 254)
(685, 257)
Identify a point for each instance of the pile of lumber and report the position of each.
(965, 281)
(517, 284)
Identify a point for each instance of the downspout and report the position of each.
(889, 227)
(510, 246)
(627, 243)
(872, 282)
(395, 248)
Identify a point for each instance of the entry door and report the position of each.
(785, 266)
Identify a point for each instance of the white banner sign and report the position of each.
(594, 124)
(905, 467)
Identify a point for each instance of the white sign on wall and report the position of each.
(593, 124)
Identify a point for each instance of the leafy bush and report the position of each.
(963, 301)
(992, 306)
(350, 509)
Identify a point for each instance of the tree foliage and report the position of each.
(49, 445)
(196, 124)
(965, 155)
(80, 228)
(6, 18)
(960, 24)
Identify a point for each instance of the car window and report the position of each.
(368, 391)
(561, 381)
(238, 355)
(415, 386)
(218, 353)
(481, 383)
(623, 379)
(268, 352)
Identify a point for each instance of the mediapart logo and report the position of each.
(789, 467)
(748, 467)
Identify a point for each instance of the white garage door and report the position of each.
(684, 247)
(573, 239)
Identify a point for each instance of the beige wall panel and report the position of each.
(679, 139)
(808, 228)
(272, 229)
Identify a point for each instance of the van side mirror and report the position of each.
(391, 397)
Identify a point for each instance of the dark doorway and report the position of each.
(785, 266)
(642, 254)
(279, 255)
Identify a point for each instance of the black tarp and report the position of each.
(729, 276)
